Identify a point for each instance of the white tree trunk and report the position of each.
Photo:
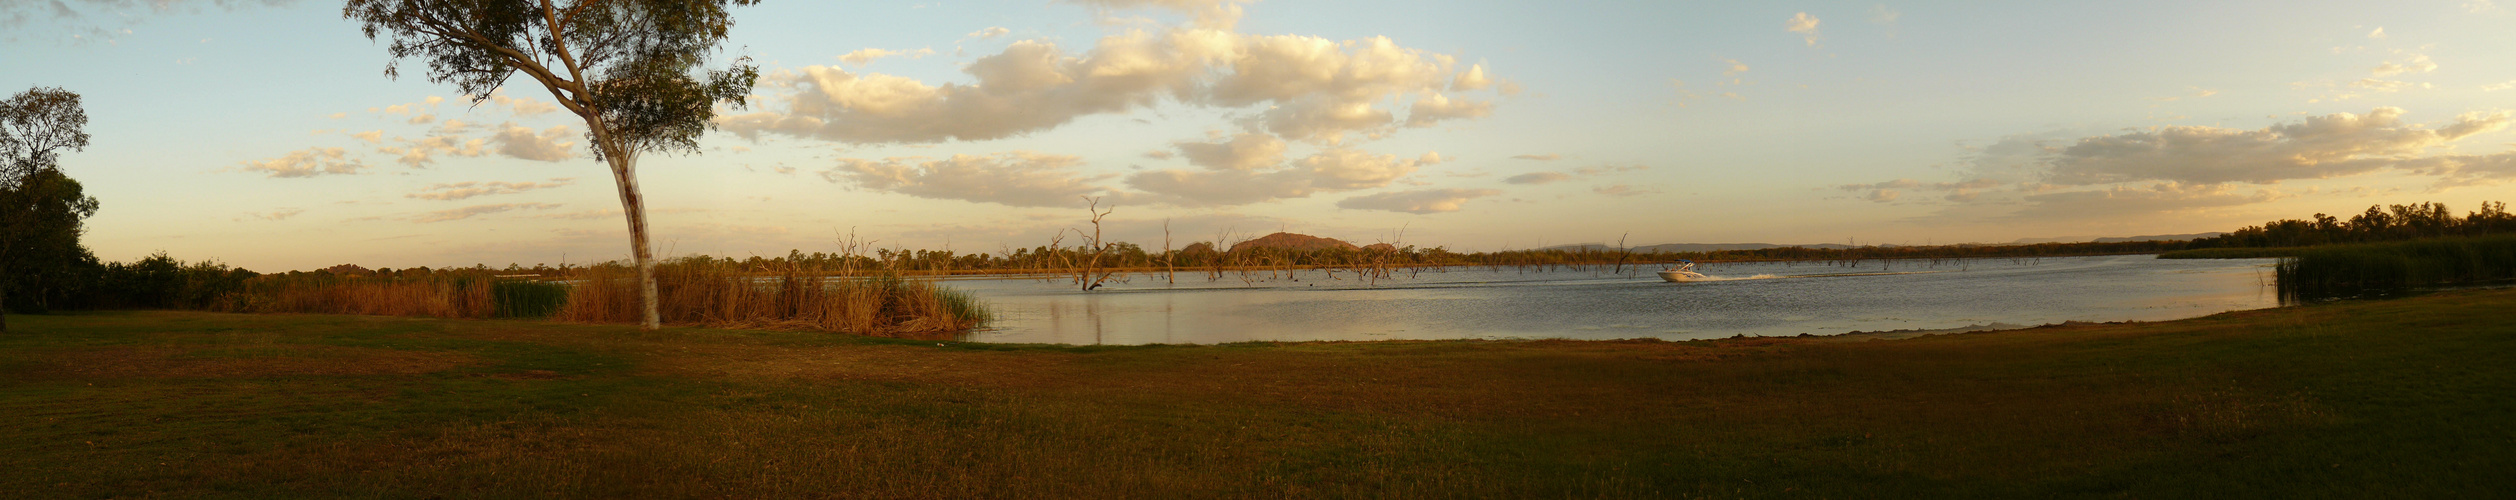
(625, 173)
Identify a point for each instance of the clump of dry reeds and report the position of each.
(442, 297)
(779, 295)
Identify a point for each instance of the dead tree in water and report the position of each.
(1089, 275)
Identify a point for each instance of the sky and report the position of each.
(266, 134)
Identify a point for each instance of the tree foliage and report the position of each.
(626, 66)
(41, 209)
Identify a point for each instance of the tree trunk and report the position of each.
(625, 174)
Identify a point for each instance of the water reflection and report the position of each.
(1746, 298)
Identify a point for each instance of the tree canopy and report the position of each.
(41, 209)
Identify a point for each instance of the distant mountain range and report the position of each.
(1716, 247)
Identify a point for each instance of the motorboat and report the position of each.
(1681, 272)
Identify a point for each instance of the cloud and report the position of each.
(1888, 191)
(274, 215)
(1543, 157)
(477, 210)
(462, 190)
(1881, 15)
(2418, 63)
(2163, 171)
(308, 162)
(1805, 25)
(424, 151)
(1538, 178)
(862, 56)
(990, 32)
(371, 136)
(1623, 190)
(2511, 84)
(2379, 34)
(2376, 85)
(2480, 6)
(1208, 14)
(522, 106)
(516, 141)
(1243, 152)
(2131, 201)
(2319, 147)
(1294, 87)
(1339, 169)
(1425, 201)
(1021, 178)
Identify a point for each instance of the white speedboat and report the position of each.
(1681, 272)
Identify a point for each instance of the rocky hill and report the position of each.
(1292, 241)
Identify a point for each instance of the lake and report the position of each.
(1755, 299)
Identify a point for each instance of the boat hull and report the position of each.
(1681, 276)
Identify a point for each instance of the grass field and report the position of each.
(2401, 398)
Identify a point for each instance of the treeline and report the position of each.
(2380, 223)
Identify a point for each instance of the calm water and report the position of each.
(1751, 299)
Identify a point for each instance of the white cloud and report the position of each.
(2319, 147)
(424, 151)
(2418, 63)
(1243, 152)
(1426, 201)
(1880, 14)
(1805, 25)
(1340, 169)
(862, 56)
(1021, 178)
(478, 210)
(2511, 84)
(990, 32)
(1539, 157)
(462, 190)
(551, 144)
(371, 136)
(2480, 6)
(2378, 34)
(1295, 87)
(308, 162)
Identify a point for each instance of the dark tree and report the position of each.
(39, 207)
(629, 68)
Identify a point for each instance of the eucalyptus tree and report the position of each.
(35, 127)
(630, 68)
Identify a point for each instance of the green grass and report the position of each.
(2400, 398)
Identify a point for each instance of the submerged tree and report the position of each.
(629, 68)
(40, 208)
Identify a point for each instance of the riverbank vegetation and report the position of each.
(2395, 268)
(702, 292)
(2400, 398)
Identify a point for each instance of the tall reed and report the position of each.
(708, 292)
(323, 293)
(2387, 269)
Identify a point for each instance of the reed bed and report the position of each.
(722, 294)
(439, 297)
(2391, 269)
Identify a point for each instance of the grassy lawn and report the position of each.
(2402, 398)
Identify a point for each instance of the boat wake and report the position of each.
(1738, 278)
